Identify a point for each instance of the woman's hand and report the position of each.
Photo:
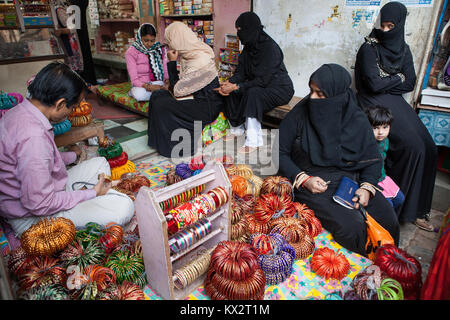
(361, 197)
(226, 88)
(172, 55)
(316, 185)
(103, 185)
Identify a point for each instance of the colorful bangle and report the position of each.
(303, 183)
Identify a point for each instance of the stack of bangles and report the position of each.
(185, 238)
(201, 206)
(188, 195)
(300, 180)
(369, 187)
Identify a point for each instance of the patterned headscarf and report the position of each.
(155, 54)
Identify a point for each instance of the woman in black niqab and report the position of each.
(259, 84)
(324, 139)
(384, 71)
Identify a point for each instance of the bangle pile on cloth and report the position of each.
(117, 158)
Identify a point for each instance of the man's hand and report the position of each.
(76, 149)
(316, 185)
(361, 197)
(102, 186)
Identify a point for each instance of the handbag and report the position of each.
(377, 236)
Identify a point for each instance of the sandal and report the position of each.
(247, 150)
(424, 225)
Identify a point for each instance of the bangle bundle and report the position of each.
(238, 230)
(192, 271)
(181, 197)
(401, 266)
(277, 266)
(172, 177)
(374, 284)
(234, 273)
(293, 231)
(277, 185)
(61, 127)
(83, 254)
(110, 151)
(247, 203)
(236, 211)
(242, 170)
(117, 172)
(238, 185)
(270, 206)
(80, 121)
(112, 237)
(254, 184)
(329, 264)
(48, 236)
(83, 109)
(125, 265)
(18, 261)
(103, 277)
(41, 271)
(312, 225)
(183, 239)
(130, 291)
(254, 226)
(134, 184)
(118, 161)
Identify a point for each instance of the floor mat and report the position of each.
(303, 282)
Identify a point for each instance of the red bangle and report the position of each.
(303, 183)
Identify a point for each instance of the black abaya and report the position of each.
(263, 80)
(347, 226)
(166, 114)
(412, 156)
(88, 73)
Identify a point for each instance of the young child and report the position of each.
(381, 118)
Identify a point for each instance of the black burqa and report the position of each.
(88, 73)
(331, 138)
(412, 156)
(263, 80)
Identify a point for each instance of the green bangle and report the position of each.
(111, 152)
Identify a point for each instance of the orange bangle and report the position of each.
(303, 183)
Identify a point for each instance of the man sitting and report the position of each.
(35, 182)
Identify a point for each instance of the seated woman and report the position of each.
(325, 137)
(193, 99)
(384, 71)
(35, 182)
(146, 62)
(259, 84)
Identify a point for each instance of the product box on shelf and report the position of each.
(37, 21)
(159, 259)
